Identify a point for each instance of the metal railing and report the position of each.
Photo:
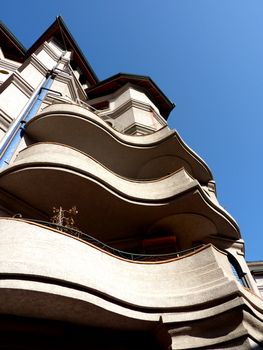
(120, 253)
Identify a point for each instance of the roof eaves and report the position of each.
(57, 25)
(77, 48)
(133, 77)
(13, 38)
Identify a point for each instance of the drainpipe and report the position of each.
(16, 131)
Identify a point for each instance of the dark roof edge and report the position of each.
(134, 76)
(61, 24)
(60, 20)
(138, 77)
(19, 45)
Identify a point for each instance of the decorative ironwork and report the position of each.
(126, 255)
(64, 217)
(17, 215)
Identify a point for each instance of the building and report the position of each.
(111, 232)
(256, 269)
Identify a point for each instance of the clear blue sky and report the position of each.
(207, 57)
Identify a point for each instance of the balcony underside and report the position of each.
(48, 275)
(142, 157)
(110, 207)
(33, 333)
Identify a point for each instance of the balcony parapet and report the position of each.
(56, 155)
(80, 128)
(129, 256)
(47, 173)
(31, 249)
(45, 273)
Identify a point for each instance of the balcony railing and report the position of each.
(120, 253)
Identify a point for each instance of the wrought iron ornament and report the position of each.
(64, 217)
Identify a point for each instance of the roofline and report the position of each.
(18, 44)
(138, 77)
(134, 76)
(60, 19)
(60, 22)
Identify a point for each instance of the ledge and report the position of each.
(46, 175)
(40, 254)
(82, 129)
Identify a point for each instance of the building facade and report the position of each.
(256, 269)
(111, 232)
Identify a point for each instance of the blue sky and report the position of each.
(207, 57)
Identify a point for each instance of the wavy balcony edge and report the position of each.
(87, 119)
(64, 162)
(45, 274)
(44, 253)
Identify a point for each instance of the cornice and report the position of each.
(6, 118)
(138, 127)
(17, 79)
(49, 51)
(36, 63)
(8, 64)
(67, 79)
(132, 103)
(22, 84)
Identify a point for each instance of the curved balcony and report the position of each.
(129, 156)
(29, 249)
(110, 207)
(137, 257)
(47, 274)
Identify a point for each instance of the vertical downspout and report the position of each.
(10, 132)
(16, 131)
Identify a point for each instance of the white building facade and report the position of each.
(111, 231)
